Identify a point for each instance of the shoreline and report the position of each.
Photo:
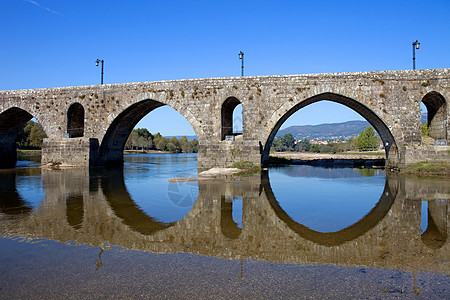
(343, 155)
(349, 159)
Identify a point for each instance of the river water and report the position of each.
(290, 232)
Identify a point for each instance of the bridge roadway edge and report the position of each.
(389, 100)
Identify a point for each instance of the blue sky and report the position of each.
(55, 43)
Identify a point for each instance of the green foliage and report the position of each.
(303, 145)
(287, 143)
(367, 140)
(425, 168)
(31, 136)
(284, 143)
(424, 129)
(142, 139)
(246, 166)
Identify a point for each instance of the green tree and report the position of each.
(367, 140)
(194, 144)
(424, 129)
(303, 145)
(160, 142)
(314, 148)
(284, 143)
(31, 136)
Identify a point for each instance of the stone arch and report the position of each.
(437, 115)
(286, 110)
(113, 142)
(12, 121)
(340, 237)
(228, 107)
(75, 120)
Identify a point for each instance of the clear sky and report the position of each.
(51, 43)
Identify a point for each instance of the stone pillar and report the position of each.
(70, 151)
(225, 153)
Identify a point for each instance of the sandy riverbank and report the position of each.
(316, 156)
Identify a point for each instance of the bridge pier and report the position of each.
(70, 151)
(404, 156)
(225, 153)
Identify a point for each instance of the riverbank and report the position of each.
(370, 159)
(343, 155)
(428, 169)
(25, 154)
(146, 152)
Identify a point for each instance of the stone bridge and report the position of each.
(89, 125)
(94, 207)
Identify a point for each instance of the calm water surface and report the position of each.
(289, 232)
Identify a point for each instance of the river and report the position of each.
(288, 232)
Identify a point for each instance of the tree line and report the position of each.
(365, 141)
(32, 135)
(142, 139)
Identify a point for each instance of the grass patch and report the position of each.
(425, 168)
(247, 167)
(29, 152)
(374, 153)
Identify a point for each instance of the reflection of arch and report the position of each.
(75, 120)
(11, 122)
(115, 191)
(437, 115)
(435, 235)
(367, 113)
(227, 116)
(11, 203)
(75, 210)
(229, 228)
(334, 238)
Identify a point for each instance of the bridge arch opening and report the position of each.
(118, 133)
(17, 129)
(436, 110)
(231, 118)
(75, 120)
(380, 127)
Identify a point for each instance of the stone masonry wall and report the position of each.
(389, 100)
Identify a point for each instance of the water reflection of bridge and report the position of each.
(96, 208)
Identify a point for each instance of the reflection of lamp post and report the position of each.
(241, 275)
(96, 63)
(241, 57)
(416, 45)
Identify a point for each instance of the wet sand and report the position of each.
(52, 270)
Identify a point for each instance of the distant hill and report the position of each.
(328, 131)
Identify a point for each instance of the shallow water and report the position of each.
(290, 232)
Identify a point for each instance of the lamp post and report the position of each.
(241, 57)
(96, 63)
(415, 45)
